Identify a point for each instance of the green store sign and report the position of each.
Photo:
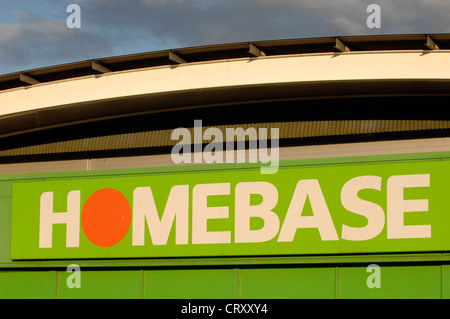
(391, 206)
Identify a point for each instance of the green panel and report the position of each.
(445, 281)
(395, 282)
(288, 283)
(190, 284)
(6, 189)
(289, 193)
(27, 284)
(5, 214)
(5, 229)
(102, 284)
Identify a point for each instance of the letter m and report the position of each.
(241, 135)
(144, 208)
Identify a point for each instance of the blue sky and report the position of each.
(33, 33)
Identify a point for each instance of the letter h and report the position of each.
(71, 218)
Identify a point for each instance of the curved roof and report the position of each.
(223, 52)
(239, 73)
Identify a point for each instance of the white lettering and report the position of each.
(74, 279)
(184, 145)
(239, 133)
(215, 145)
(177, 207)
(244, 212)
(274, 156)
(201, 213)
(373, 212)
(374, 280)
(232, 135)
(397, 206)
(321, 218)
(74, 19)
(48, 218)
(373, 20)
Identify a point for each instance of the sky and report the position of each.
(35, 33)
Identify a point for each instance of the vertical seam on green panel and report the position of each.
(142, 283)
(237, 283)
(337, 283)
(442, 284)
(56, 284)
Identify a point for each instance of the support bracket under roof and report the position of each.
(431, 44)
(28, 79)
(99, 67)
(175, 58)
(254, 50)
(341, 46)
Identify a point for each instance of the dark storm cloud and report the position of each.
(113, 27)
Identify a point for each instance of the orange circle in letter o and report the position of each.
(106, 217)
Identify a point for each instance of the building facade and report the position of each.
(304, 168)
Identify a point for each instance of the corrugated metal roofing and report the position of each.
(287, 130)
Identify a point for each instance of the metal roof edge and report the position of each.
(225, 51)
